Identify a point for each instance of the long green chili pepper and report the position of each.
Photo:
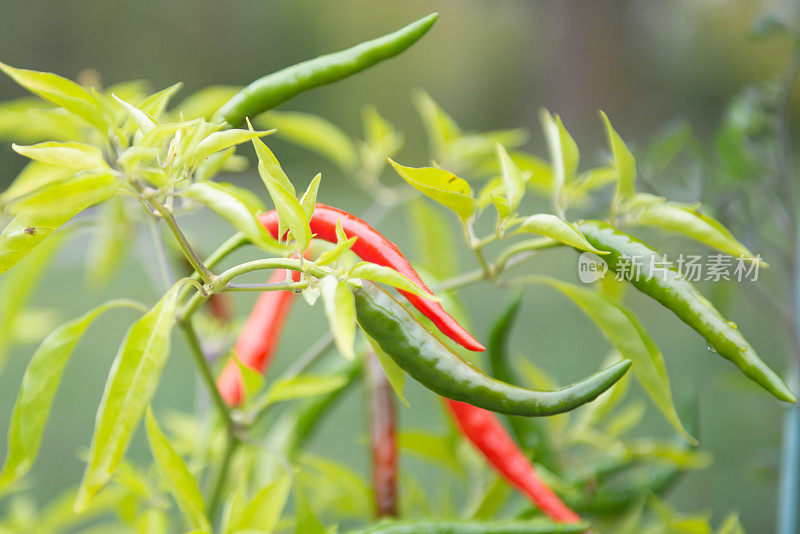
(439, 369)
(278, 87)
(683, 299)
(433, 526)
(530, 433)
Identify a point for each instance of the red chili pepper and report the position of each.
(258, 339)
(486, 432)
(373, 247)
(383, 438)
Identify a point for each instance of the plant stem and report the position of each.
(198, 265)
(272, 263)
(274, 286)
(222, 475)
(205, 371)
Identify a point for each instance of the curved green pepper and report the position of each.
(431, 526)
(415, 350)
(685, 301)
(529, 432)
(278, 87)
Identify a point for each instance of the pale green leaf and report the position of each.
(555, 228)
(65, 154)
(68, 197)
(433, 234)
(340, 309)
(624, 330)
(731, 525)
(143, 121)
(38, 389)
(181, 483)
(17, 286)
(228, 202)
(205, 102)
(264, 509)
(309, 198)
(432, 447)
(131, 385)
(513, 178)
(687, 220)
(440, 185)
(440, 127)
(268, 165)
(155, 104)
(380, 137)
(217, 141)
(332, 255)
(290, 211)
(306, 521)
(34, 176)
(314, 133)
(23, 234)
(335, 489)
(61, 92)
(538, 171)
(214, 164)
(108, 247)
(253, 380)
(386, 275)
(564, 155)
(304, 386)
(624, 164)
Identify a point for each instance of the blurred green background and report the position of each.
(491, 64)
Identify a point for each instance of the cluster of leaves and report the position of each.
(122, 147)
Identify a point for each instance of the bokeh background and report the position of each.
(492, 64)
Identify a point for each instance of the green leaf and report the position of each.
(513, 179)
(436, 248)
(34, 176)
(253, 380)
(332, 255)
(307, 522)
(431, 447)
(623, 161)
(17, 287)
(440, 127)
(442, 186)
(340, 309)
(235, 206)
(731, 525)
(264, 510)
(386, 275)
(395, 375)
(131, 384)
(539, 172)
(206, 101)
(380, 137)
(181, 483)
(67, 197)
(66, 154)
(624, 330)
(314, 133)
(61, 92)
(143, 121)
(564, 155)
(108, 248)
(663, 150)
(309, 198)
(290, 211)
(687, 220)
(217, 141)
(335, 489)
(38, 388)
(268, 166)
(555, 228)
(155, 104)
(304, 386)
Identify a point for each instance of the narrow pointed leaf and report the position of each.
(225, 139)
(442, 186)
(309, 198)
(555, 228)
(290, 211)
(131, 385)
(314, 133)
(386, 275)
(66, 154)
(340, 309)
(512, 178)
(181, 483)
(624, 163)
(68, 197)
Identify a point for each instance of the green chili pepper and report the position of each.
(531, 433)
(536, 526)
(278, 87)
(683, 299)
(435, 366)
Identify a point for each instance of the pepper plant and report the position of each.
(117, 158)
